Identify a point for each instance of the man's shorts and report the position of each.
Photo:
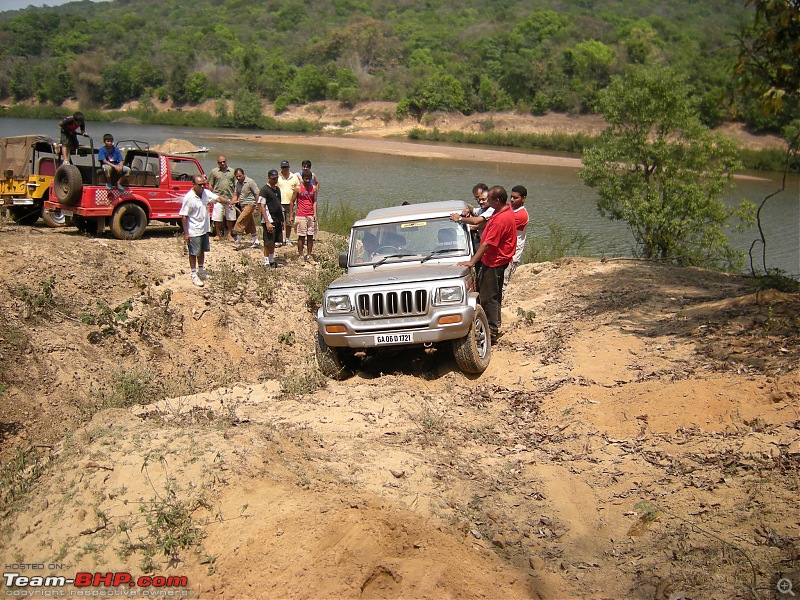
(286, 209)
(70, 140)
(223, 212)
(270, 239)
(109, 171)
(199, 244)
(306, 226)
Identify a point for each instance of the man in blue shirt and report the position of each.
(111, 159)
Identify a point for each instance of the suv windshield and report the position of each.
(427, 238)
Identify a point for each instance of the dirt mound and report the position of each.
(636, 435)
(178, 146)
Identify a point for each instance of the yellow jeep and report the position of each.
(27, 166)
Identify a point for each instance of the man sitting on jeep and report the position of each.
(111, 159)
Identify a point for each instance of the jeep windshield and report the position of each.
(410, 241)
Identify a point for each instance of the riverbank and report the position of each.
(392, 147)
(418, 150)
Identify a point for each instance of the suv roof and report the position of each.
(428, 210)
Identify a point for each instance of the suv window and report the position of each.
(183, 170)
(413, 238)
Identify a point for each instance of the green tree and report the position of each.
(196, 86)
(440, 91)
(769, 56)
(769, 65)
(56, 85)
(116, 84)
(247, 110)
(660, 171)
(309, 84)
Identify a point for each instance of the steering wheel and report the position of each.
(184, 177)
(387, 250)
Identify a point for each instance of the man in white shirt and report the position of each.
(196, 225)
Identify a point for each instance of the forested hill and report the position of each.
(467, 55)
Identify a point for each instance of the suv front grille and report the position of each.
(392, 304)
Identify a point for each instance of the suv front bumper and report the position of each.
(347, 331)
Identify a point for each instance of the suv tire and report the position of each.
(329, 361)
(128, 222)
(68, 184)
(474, 350)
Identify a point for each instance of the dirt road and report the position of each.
(637, 434)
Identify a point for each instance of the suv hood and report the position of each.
(385, 274)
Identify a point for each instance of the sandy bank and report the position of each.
(401, 148)
(420, 150)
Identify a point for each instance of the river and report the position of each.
(369, 180)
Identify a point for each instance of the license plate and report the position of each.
(393, 338)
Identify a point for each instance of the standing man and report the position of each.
(498, 244)
(518, 195)
(477, 217)
(245, 192)
(196, 225)
(69, 134)
(222, 182)
(290, 185)
(269, 205)
(306, 215)
(306, 164)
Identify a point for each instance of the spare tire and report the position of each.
(67, 184)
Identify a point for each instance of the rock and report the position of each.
(536, 562)
(499, 540)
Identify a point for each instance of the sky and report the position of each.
(16, 4)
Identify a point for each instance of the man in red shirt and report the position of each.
(498, 244)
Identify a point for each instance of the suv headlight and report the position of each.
(338, 304)
(450, 295)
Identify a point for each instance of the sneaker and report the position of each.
(121, 188)
(109, 187)
(196, 280)
(201, 273)
(255, 244)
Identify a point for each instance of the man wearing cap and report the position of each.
(289, 184)
(269, 205)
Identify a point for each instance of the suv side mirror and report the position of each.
(343, 260)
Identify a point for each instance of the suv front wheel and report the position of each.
(331, 361)
(474, 350)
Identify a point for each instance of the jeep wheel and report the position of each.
(24, 215)
(67, 184)
(474, 350)
(329, 361)
(53, 218)
(128, 222)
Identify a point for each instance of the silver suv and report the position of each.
(404, 287)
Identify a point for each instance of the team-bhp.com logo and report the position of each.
(93, 584)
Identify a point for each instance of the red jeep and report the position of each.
(155, 191)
